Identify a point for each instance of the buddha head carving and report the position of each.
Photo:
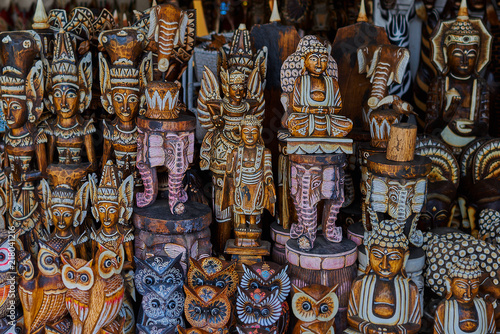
(463, 280)
(315, 61)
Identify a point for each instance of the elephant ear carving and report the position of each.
(378, 196)
(85, 78)
(34, 91)
(105, 83)
(46, 199)
(293, 177)
(418, 199)
(93, 197)
(81, 203)
(153, 24)
(328, 182)
(404, 57)
(126, 199)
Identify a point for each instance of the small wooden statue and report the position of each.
(69, 88)
(215, 272)
(249, 185)
(459, 100)
(315, 307)
(463, 311)
(123, 82)
(384, 300)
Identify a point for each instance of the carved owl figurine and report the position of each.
(163, 304)
(267, 276)
(28, 273)
(261, 309)
(242, 330)
(157, 270)
(78, 278)
(48, 304)
(207, 308)
(156, 329)
(7, 257)
(193, 330)
(213, 271)
(315, 307)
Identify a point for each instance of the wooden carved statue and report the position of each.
(214, 272)
(158, 329)
(249, 186)
(66, 207)
(241, 78)
(95, 289)
(384, 300)
(267, 276)
(315, 307)
(208, 308)
(21, 93)
(163, 304)
(157, 270)
(459, 99)
(123, 82)
(312, 97)
(463, 311)
(69, 90)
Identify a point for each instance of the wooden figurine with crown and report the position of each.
(69, 84)
(463, 311)
(249, 189)
(21, 93)
(123, 82)
(459, 99)
(384, 300)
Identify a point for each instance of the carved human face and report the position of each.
(237, 92)
(126, 103)
(62, 217)
(65, 100)
(464, 290)
(316, 63)
(437, 213)
(387, 262)
(250, 135)
(462, 59)
(108, 213)
(15, 112)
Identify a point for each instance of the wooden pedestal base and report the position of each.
(327, 264)
(247, 255)
(280, 236)
(356, 233)
(159, 232)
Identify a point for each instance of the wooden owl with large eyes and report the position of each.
(267, 276)
(207, 308)
(242, 330)
(158, 270)
(28, 273)
(214, 272)
(193, 330)
(163, 304)
(157, 329)
(315, 307)
(261, 309)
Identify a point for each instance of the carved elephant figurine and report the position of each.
(173, 150)
(314, 178)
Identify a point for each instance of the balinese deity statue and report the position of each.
(123, 82)
(459, 99)
(249, 185)
(243, 90)
(463, 311)
(65, 207)
(21, 94)
(69, 84)
(315, 99)
(384, 300)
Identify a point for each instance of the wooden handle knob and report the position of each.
(402, 140)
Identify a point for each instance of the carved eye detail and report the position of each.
(265, 312)
(49, 260)
(26, 44)
(149, 280)
(323, 308)
(215, 311)
(254, 285)
(107, 263)
(71, 275)
(84, 278)
(171, 305)
(197, 310)
(199, 281)
(220, 284)
(155, 303)
(306, 306)
(248, 309)
(104, 39)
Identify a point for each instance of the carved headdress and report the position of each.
(387, 234)
(465, 268)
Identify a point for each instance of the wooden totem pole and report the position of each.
(316, 150)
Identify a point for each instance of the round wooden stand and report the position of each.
(280, 236)
(159, 232)
(327, 264)
(356, 233)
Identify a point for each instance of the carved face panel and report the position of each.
(108, 213)
(62, 217)
(386, 262)
(157, 270)
(163, 303)
(437, 213)
(178, 151)
(267, 276)
(464, 290)
(316, 63)
(126, 103)
(15, 111)
(462, 59)
(207, 307)
(237, 92)
(65, 100)
(258, 307)
(213, 272)
(250, 135)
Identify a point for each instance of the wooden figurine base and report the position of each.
(418, 167)
(247, 255)
(326, 264)
(356, 232)
(280, 236)
(315, 145)
(414, 267)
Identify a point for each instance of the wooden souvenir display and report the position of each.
(69, 91)
(459, 99)
(242, 76)
(65, 205)
(96, 289)
(21, 92)
(211, 271)
(256, 308)
(442, 183)
(123, 82)
(462, 310)
(208, 308)
(315, 307)
(384, 300)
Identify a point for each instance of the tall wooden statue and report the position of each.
(123, 82)
(459, 99)
(21, 92)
